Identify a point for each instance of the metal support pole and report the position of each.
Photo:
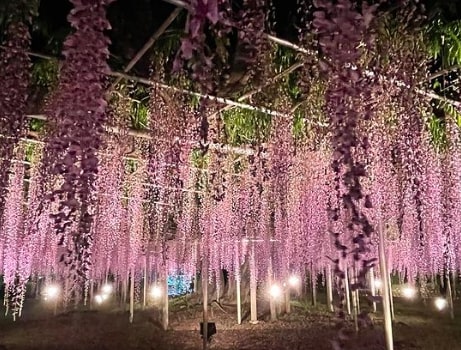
(144, 298)
(391, 297)
(132, 295)
(272, 305)
(287, 300)
(450, 297)
(165, 316)
(386, 288)
(329, 281)
(372, 287)
(239, 302)
(253, 287)
(348, 292)
(314, 286)
(205, 303)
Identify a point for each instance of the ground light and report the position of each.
(408, 292)
(98, 299)
(106, 289)
(156, 292)
(275, 291)
(440, 303)
(51, 292)
(378, 283)
(293, 281)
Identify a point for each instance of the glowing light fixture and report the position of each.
(440, 303)
(99, 299)
(107, 289)
(408, 292)
(275, 291)
(378, 283)
(294, 281)
(156, 292)
(51, 292)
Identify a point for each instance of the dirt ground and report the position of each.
(416, 327)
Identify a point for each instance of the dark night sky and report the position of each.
(134, 21)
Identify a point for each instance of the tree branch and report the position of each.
(148, 44)
(443, 72)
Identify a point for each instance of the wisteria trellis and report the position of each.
(115, 211)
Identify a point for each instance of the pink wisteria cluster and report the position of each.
(204, 17)
(78, 115)
(269, 213)
(241, 228)
(15, 66)
(342, 29)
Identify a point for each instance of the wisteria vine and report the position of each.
(78, 115)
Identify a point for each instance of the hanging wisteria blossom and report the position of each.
(78, 114)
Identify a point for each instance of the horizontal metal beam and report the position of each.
(147, 136)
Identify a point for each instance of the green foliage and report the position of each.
(309, 117)
(246, 126)
(437, 131)
(45, 73)
(168, 44)
(195, 101)
(437, 125)
(131, 165)
(450, 110)
(444, 42)
(199, 160)
(36, 125)
(139, 111)
(283, 58)
(30, 152)
(139, 115)
(299, 125)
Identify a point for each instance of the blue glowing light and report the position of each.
(179, 285)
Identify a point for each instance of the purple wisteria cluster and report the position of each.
(281, 149)
(204, 16)
(12, 232)
(252, 47)
(77, 116)
(15, 66)
(236, 233)
(283, 209)
(342, 30)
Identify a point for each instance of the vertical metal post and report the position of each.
(205, 303)
(272, 305)
(391, 297)
(348, 292)
(91, 293)
(450, 297)
(132, 295)
(314, 286)
(144, 299)
(329, 281)
(372, 287)
(165, 316)
(386, 289)
(253, 287)
(287, 300)
(239, 302)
